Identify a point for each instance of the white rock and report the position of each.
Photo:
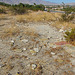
(24, 49)
(0, 65)
(36, 49)
(61, 39)
(52, 53)
(24, 40)
(61, 30)
(28, 65)
(33, 53)
(48, 37)
(73, 61)
(65, 31)
(12, 41)
(34, 66)
(54, 46)
(73, 55)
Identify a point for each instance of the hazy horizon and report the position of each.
(60, 1)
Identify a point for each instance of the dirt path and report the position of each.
(34, 52)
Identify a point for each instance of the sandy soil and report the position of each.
(34, 50)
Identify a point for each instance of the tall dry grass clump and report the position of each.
(66, 25)
(2, 16)
(31, 32)
(10, 31)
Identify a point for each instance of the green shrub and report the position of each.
(22, 8)
(70, 35)
(48, 10)
(5, 4)
(2, 11)
(18, 10)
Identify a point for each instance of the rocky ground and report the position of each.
(38, 49)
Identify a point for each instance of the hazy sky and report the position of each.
(60, 1)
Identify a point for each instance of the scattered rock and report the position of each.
(1, 65)
(12, 41)
(49, 55)
(52, 53)
(24, 49)
(34, 66)
(72, 61)
(28, 65)
(36, 49)
(24, 40)
(54, 46)
(49, 37)
(33, 52)
(61, 30)
(60, 39)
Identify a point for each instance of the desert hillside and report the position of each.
(36, 42)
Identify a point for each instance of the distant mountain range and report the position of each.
(28, 2)
(32, 2)
(70, 3)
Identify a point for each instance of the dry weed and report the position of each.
(66, 25)
(10, 31)
(31, 32)
(45, 17)
(37, 17)
(2, 16)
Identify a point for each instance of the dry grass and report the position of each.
(30, 32)
(2, 16)
(45, 17)
(10, 31)
(37, 17)
(66, 25)
(20, 18)
(13, 30)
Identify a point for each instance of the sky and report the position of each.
(60, 1)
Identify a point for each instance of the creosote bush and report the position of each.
(18, 10)
(70, 36)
